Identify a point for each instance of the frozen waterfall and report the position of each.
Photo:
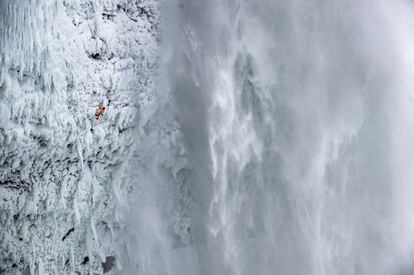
(240, 137)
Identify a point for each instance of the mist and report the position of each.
(284, 140)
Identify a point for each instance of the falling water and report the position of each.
(292, 150)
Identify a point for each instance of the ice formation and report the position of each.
(61, 169)
(239, 137)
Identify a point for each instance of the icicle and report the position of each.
(80, 155)
(72, 260)
(111, 229)
(40, 270)
(89, 248)
(32, 267)
(95, 236)
(62, 201)
(54, 219)
(117, 192)
(76, 210)
(116, 180)
(35, 195)
(11, 213)
(62, 262)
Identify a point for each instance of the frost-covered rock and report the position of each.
(61, 169)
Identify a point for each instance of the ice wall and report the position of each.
(61, 169)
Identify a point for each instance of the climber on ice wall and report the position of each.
(100, 111)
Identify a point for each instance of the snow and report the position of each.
(58, 61)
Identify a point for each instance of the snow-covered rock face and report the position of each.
(61, 169)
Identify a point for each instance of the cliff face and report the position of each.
(62, 171)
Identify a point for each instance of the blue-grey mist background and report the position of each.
(297, 126)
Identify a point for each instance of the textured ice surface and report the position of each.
(278, 139)
(61, 170)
